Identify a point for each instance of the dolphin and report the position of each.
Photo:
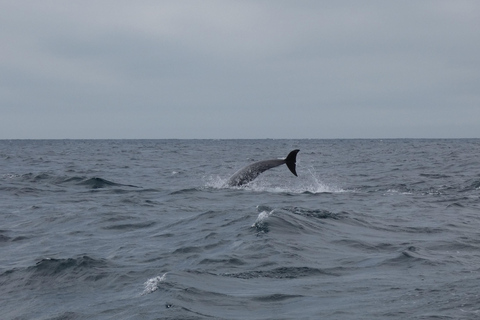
(250, 172)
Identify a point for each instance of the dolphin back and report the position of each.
(252, 171)
(291, 161)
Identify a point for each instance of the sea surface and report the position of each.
(147, 229)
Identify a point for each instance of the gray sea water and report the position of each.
(146, 229)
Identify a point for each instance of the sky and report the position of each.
(239, 69)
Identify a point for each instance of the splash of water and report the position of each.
(215, 182)
(152, 285)
(260, 224)
(307, 183)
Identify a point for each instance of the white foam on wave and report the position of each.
(10, 176)
(395, 191)
(262, 216)
(152, 285)
(260, 223)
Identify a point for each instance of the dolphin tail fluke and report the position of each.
(291, 161)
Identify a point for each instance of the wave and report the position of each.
(96, 183)
(6, 238)
(185, 191)
(58, 272)
(130, 226)
(290, 219)
(315, 213)
(83, 267)
(52, 179)
(473, 186)
(261, 223)
(434, 175)
(277, 297)
(281, 273)
(413, 255)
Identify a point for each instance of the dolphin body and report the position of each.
(250, 172)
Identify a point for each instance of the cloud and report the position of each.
(216, 69)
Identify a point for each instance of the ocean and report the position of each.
(147, 229)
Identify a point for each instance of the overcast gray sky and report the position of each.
(239, 69)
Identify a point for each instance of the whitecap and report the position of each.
(152, 285)
(260, 224)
